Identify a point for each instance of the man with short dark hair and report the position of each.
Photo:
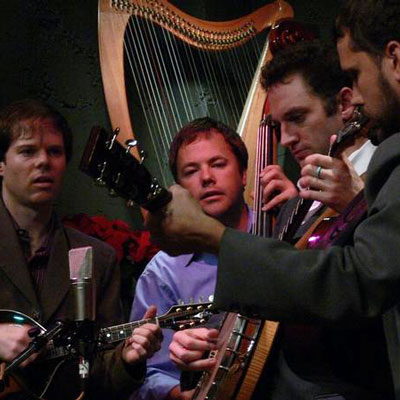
(310, 100)
(209, 159)
(35, 145)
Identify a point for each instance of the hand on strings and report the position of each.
(144, 341)
(188, 347)
(14, 339)
(332, 181)
(182, 226)
(277, 187)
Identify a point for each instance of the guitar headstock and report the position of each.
(186, 316)
(355, 126)
(113, 166)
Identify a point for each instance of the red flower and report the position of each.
(134, 245)
(141, 247)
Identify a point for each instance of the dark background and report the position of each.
(48, 50)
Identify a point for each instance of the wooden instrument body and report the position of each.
(240, 359)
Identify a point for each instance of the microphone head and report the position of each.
(80, 263)
(82, 290)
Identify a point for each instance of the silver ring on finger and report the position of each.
(318, 172)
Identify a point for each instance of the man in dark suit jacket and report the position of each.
(348, 283)
(35, 145)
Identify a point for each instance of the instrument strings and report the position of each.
(263, 222)
(176, 82)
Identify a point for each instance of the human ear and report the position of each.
(244, 178)
(1, 168)
(345, 102)
(392, 52)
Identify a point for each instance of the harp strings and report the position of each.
(176, 82)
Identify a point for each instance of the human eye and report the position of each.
(26, 151)
(219, 163)
(189, 171)
(56, 151)
(297, 118)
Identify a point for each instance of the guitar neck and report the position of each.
(120, 332)
(180, 318)
(117, 333)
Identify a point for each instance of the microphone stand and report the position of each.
(85, 344)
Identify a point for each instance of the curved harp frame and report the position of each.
(113, 18)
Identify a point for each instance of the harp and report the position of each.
(162, 68)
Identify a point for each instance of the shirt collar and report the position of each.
(24, 238)
(361, 157)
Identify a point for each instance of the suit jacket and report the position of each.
(346, 285)
(109, 376)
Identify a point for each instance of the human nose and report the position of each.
(207, 176)
(288, 136)
(42, 159)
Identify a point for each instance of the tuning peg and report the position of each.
(129, 144)
(100, 180)
(115, 133)
(154, 191)
(143, 156)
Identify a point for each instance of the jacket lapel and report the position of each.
(12, 260)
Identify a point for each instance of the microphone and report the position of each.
(84, 310)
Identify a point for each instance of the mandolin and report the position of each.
(62, 348)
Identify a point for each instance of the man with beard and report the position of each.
(344, 284)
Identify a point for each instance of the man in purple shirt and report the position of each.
(210, 160)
